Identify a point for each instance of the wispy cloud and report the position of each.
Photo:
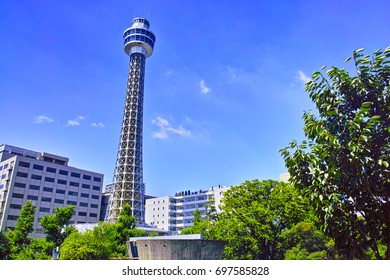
(75, 121)
(43, 119)
(165, 129)
(243, 77)
(301, 76)
(98, 125)
(169, 72)
(203, 88)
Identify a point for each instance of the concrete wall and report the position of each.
(176, 249)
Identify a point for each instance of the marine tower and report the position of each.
(128, 186)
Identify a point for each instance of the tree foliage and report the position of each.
(16, 244)
(56, 226)
(104, 241)
(5, 248)
(304, 241)
(18, 237)
(200, 226)
(343, 166)
(254, 216)
(100, 243)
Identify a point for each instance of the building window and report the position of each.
(96, 188)
(94, 206)
(34, 187)
(12, 217)
(63, 172)
(95, 196)
(46, 199)
(83, 214)
(85, 186)
(15, 206)
(36, 177)
(51, 170)
(44, 209)
(21, 174)
(19, 185)
(70, 202)
(24, 164)
(46, 189)
(17, 195)
(73, 193)
(93, 215)
(48, 179)
(97, 179)
(32, 197)
(74, 184)
(83, 204)
(61, 182)
(74, 174)
(59, 201)
(86, 177)
(60, 191)
(85, 195)
(37, 167)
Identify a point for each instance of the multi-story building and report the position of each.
(49, 182)
(174, 213)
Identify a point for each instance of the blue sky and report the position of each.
(224, 88)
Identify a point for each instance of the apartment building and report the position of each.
(174, 213)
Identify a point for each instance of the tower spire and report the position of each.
(128, 186)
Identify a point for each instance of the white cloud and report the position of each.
(98, 125)
(302, 76)
(169, 72)
(43, 119)
(203, 88)
(165, 129)
(75, 121)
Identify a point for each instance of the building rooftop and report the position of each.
(33, 154)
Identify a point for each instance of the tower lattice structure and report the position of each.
(128, 186)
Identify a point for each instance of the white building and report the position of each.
(49, 182)
(174, 213)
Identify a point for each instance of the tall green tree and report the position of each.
(126, 228)
(199, 226)
(18, 237)
(56, 226)
(254, 216)
(23, 247)
(343, 166)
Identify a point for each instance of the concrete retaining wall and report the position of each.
(169, 249)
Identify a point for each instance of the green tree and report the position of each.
(104, 241)
(100, 243)
(56, 226)
(126, 228)
(343, 166)
(305, 242)
(18, 237)
(254, 216)
(38, 249)
(211, 210)
(200, 226)
(5, 248)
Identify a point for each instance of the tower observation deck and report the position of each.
(128, 186)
